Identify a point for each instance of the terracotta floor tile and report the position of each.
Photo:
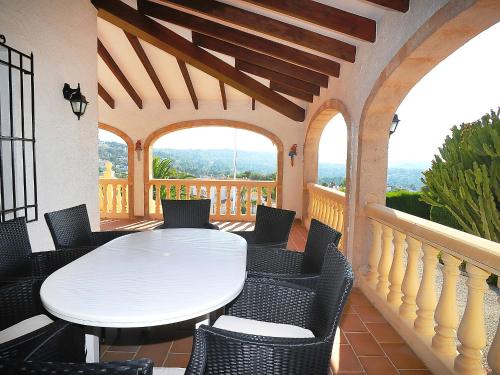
(123, 348)
(348, 309)
(402, 356)
(415, 372)
(344, 359)
(378, 366)
(364, 344)
(183, 345)
(340, 337)
(117, 356)
(103, 348)
(177, 360)
(156, 352)
(352, 323)
(368, 314)
(357, 298)
(350, 373)
(383, 332)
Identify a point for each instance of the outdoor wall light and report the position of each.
(394, 125)
(76, 100)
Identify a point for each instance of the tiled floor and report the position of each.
(365, 343)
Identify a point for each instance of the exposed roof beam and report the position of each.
(189, 83)
(235, 36)
(399, 5)
(260, 59)
(101, 91)
(115, 69)
(253, 104)
(223, 94)
(324, 15)
(141, 54)
(278, 77)
(288, 90)
(269, 26)
(129, 19)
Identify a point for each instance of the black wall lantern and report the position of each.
(76, 99)
(394, 125)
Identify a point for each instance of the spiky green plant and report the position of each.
(465, 177)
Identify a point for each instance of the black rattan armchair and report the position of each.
(56, 348)
(219, 351)
(272, 227)
(186, 214)
(70, 228)
(292, 266)
(17, 260)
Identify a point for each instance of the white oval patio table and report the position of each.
(147, 279)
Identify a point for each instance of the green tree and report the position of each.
(465, 177)
(164, 169)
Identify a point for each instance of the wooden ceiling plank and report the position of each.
(241, 38)
(399, 5)
(278, 29)
(141, 54)
(120, 76)
(323, 15)
(271, 75)
(189, 83)
(101, 91)
(132, 21)
(223, 95)
(260, 59)
(253, 104)
(288, 90)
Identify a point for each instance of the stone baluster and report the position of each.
(375, 252)
(397, 270)
(410, 280)
(446, 311)
(472, 331)
(237, 197)
(340, 222)
(384, 264)
(426, 296)
(158, 198)
(334, 206)
(228, 201)
(218, 201)
(124, 198)
(248, 203)
(494, 353)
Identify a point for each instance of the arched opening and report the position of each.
(116, 173)
(196, 182)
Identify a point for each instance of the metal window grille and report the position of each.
(18, 187)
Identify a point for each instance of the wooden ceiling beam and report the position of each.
(132, 21)
(120, 76)
(269, 26)
(323, 15)
(189, 83)
(223, 95)
(277, 77)
(101, 91)
(253, 104)
(399, 5)
(260, 59)
(241, 38)
(141, 54)
(288, 90)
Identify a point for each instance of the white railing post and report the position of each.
(472, 330)
(409, 287)
(384, 264)
(397, 270)
(374, 256)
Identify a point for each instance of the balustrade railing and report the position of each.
(232, 200)
(326, 205)
(114, 197)
(406, 253)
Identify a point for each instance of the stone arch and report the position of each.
(130, 162)
(211, 122)
(447, 30)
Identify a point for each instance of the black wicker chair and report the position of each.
(292, 266)
(219, 351)
(186, 214)
(70, 228)
(56, 348)
(17, 260)
(272, 227)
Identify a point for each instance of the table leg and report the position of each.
(91, 348)
(205, 320)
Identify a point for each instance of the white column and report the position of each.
(397, 272)
(472, 331)
(409, 287)
(374, 256)
(446, 311)
(426, 296)
(384, 264)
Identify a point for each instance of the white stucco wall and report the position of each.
(62, 36)
(138, 124)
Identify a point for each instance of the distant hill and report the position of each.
(219, 164)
